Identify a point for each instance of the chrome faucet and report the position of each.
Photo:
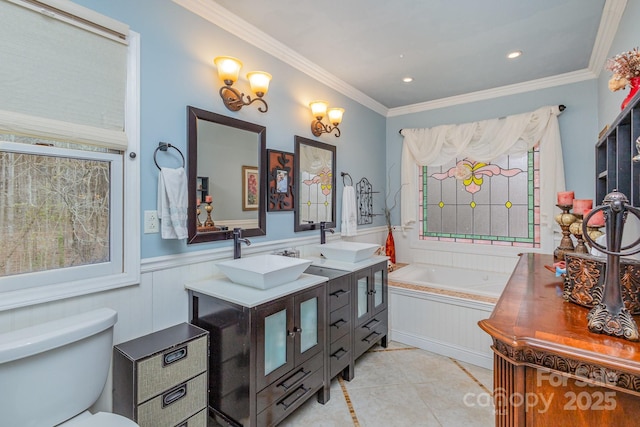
(323, 232)
(237, 239)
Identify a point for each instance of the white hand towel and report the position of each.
(172, 203)
(349, 225)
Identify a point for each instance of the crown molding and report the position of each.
(611, 16)
(223, 18)
(547, 82)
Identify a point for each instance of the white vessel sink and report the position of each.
(348, 251)
(264, 271)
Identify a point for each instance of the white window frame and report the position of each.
(126, 200)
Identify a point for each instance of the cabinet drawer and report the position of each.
(370, 333)
(339, 322)
(292, 400)
(172, 367)
(174, 405)
(339, 355)
(339, 293)
(198, 420)
(292, 380)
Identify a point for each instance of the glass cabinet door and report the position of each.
(378, 296)
(362, 294)
(309, 323)
(275, 341)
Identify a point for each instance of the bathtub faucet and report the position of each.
(323, 232)
(237, 234)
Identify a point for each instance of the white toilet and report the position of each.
(53, 372)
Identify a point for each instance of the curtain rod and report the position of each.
(561, 107)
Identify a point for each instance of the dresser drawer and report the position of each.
(289, 382)
(198, 420)
(339, 355)
(175, 405)
(339, 292)
(339, 322)
(171, 367)
(369, 333)
(292, 400)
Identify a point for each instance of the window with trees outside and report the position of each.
(68, 224)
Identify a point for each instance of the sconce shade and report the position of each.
(259, 81)
(318, 109)
(335, 115)
(228, 68)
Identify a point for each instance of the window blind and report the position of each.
(63, 72)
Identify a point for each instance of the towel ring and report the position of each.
(164, 146)
(343, 174)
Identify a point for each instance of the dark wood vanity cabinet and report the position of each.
(265, 360)
(370, 314)
(340, 323)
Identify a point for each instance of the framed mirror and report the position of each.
(226, 169)
(315, 168)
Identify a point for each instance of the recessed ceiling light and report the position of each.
(407, 79)
(514, 54)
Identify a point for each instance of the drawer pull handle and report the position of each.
(338, 354)
(338, 323)
(372, 337)
(175, 355)
(294, 379)
(301, 391)
(338, 293)
(372, 324)
(173, 395)
(184, 424)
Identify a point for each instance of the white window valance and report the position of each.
(63, 70)
(485, 141)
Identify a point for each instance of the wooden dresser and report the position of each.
(549, 370)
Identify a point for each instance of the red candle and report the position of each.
(565, 198)
(580, 205)
(596, 220)
(208, 199)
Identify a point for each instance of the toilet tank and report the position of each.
(53, 371)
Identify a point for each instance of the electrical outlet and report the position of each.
(151, 222)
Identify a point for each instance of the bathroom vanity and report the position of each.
(267, 347)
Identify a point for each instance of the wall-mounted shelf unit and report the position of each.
(615, 168)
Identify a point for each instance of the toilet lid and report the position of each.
(105, 419)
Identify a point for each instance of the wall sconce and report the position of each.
(228, 70)
(319, 110)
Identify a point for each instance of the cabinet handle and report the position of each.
(338, 293)
(294, 379)
(294, 331)
(371, 292)
(184, 424)
(338, 354)
(173, 395)
(301, 391)
(372, 337)
(174, 356)
(371, 324)
(338, 323)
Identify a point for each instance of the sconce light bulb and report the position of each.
(228, 68)
(335, 115)
(318, 109)
(259, 82)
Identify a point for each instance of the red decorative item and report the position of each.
(390, 247)
(635, 85)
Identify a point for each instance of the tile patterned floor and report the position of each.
(404, 386)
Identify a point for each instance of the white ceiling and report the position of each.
(451, 48)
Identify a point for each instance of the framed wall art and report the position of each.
(250, 188)
(281, 178)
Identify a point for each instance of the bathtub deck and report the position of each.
(447, 292)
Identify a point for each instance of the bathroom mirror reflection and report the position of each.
(315, 163)
(226, 166)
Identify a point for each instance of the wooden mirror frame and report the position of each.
(193, 115)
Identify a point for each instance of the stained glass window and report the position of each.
(496, 203)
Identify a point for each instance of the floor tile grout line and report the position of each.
(352, 411)
(477, 381)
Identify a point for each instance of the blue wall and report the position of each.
(578, 128)
(177, 51)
